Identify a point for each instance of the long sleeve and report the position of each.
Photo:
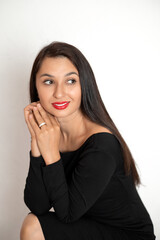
(35, 195)
(89, 179)
(88, 182)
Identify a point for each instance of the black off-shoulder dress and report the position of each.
(91, 196)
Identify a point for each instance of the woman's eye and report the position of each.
(48, 82)
(72, 81)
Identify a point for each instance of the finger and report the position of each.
(53, 120)
(29, 126)
(44, 115)
(33, 124)
(29, 109)
(37, 116)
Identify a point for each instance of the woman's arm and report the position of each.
(46, 184)
(89, 180)
(35, 195)
(43, 143)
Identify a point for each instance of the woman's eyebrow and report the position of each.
(46, 75)
(68, 74)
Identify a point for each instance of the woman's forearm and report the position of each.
(35, 195)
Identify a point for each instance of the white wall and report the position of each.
(121, 40)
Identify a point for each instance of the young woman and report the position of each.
(79, 163)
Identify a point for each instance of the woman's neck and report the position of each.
(73, 126)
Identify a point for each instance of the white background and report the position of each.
(121, 40)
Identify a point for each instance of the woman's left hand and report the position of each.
(47, 136)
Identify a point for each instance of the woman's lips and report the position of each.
(60, 105)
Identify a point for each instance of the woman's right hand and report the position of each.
(34, 146)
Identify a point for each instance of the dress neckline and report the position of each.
(91, 136)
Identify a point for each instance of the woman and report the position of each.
(79, 163)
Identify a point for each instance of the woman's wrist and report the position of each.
(34, 148)
(52, 159)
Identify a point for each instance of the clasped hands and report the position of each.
(46, 137)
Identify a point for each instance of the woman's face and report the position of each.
(58, 81)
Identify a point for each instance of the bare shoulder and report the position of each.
(95, 128)
(91, 129)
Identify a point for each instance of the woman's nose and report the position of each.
(59, 91)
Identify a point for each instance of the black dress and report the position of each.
(92, 197)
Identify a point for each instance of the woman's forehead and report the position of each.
(57, 66)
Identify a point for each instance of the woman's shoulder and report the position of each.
(95, 138)
(99, 129)
(102, 139)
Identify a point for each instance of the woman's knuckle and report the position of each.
(40, 135)
(57, 127)
(45, 131)
(51, 129)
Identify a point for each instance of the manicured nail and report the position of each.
(38, 105)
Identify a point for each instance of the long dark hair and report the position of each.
(92, 105)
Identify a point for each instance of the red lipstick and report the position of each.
(60, 105)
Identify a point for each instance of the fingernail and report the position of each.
(38, 105)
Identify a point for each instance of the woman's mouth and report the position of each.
(60, 105)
